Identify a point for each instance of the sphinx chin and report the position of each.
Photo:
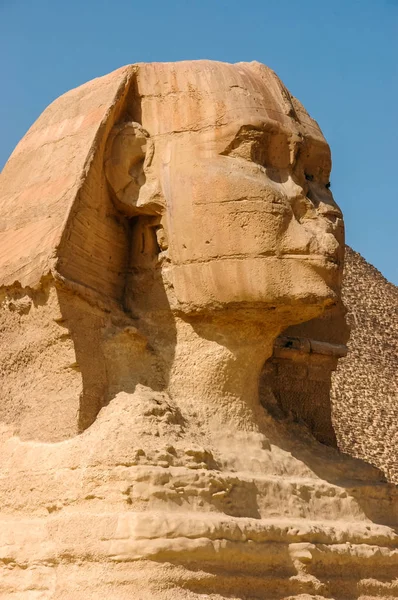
(287, 285)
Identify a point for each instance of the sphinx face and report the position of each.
(249, 218)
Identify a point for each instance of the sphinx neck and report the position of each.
(216, 367)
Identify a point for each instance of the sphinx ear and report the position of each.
(128, 156)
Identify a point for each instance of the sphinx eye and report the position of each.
(309, 177)
(248, 144)
(265, 148)
(258, 152)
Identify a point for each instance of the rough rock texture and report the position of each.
(365, 385)
(161, 227)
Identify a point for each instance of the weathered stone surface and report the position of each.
(191, 223)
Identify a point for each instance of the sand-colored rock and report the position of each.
(161, 227)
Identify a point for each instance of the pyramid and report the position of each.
(365, 385)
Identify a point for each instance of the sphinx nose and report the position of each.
(324, 203)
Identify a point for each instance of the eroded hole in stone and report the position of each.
(295, 383)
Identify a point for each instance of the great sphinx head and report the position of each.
(229, 179)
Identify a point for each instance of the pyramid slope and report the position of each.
(365, 384)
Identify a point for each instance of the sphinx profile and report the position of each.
(161, 226)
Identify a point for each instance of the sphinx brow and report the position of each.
(264, 127)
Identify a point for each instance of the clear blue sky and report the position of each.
(339, 57)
